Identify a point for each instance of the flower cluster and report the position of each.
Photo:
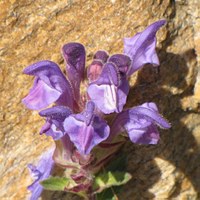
(77, 119)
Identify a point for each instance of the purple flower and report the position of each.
(141, 47)
(140, 123)
(40, 172)
(50, 86)
(86, 129)
(55, 117)
(110, 90)
(53, 127)
(74, 56)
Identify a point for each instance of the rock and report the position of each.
(34, 30)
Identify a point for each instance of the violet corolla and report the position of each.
(76, 121)
(40, 172)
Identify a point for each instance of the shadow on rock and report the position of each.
(166, 87)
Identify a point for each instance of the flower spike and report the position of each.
(84, 141)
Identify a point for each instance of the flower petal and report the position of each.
(150, 112)
(101, 56)
(86, 137)
(140, 123)
(40, 96)
(122, 93)
(141, 47)
(109, 91)
(52, 131)
(89, 112)
(40, 172)
(50, 86)
(95, 69)
(104, 96)
(109, 75)
(74, 55)
(144, 136)
(54, 121)
(84, 133)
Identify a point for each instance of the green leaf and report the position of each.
(109, 179)
(61, 184)
(106, 195)
(118, 163)
(55, 183)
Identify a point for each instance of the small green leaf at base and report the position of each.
(109, 179)
(107, 194)
(55, 183)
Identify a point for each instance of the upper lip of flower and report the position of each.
(50, 86)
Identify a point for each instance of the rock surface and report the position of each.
(34, 30)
